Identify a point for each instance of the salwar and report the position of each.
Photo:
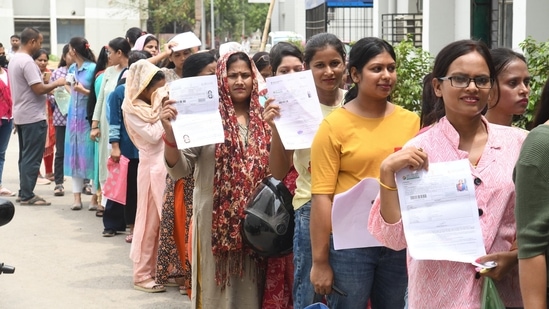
(145, 266)
(59, 154)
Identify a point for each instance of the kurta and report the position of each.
(151, 180)
(110, 79)
(452, 285)
(242, 292)
(79, 148)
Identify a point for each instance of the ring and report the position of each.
(420, 149)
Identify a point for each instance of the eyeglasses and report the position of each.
(264, 58)
(482, 82)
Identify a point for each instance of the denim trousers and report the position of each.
(5, 133)
(58, 171)
(376, 273)
(303, 291)
(32, 141)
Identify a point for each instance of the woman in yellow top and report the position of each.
(349, 146)
(325, 57)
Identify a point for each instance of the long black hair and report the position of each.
(195, 63)
(100, 66)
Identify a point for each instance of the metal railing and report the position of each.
(396, 27)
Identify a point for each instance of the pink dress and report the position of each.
(452, 285)
(151, 182)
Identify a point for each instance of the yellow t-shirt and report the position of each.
(348, 148)
(302, 164)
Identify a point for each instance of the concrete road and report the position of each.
(61, 259)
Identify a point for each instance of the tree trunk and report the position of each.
(197, 17)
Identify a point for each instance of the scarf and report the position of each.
(238, 171)
(138, 78)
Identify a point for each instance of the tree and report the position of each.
(165, 12)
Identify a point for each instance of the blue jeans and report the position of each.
(376, 273)
(5, 133)
(303, 291)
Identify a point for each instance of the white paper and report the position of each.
(185, 40)
(440, 212)
(350, 213)
(198, 121)
(300, 113)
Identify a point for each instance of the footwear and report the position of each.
(174, 282)
(87, 189)
(6, 192)
(129, 238)
(35, 201)
(42, 181)
(59, 190)
(50, 177)
(76, 207)
(99, 212)
(183, 290)
(18, 199)
(149, 286)
(92, 207)
(109, 233)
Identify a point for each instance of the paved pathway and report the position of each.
(61, 259)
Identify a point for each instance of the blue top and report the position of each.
(117, 129)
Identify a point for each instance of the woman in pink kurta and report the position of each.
(463, 76)
(141, 115)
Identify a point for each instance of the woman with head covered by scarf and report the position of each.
(141, 115)
(226, 273)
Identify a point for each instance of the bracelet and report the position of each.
(95, 128)
(167, 142)
(386, 186)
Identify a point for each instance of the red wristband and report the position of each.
(167, 142)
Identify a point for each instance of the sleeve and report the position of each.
(184, 165)
(325, 160)
(148, 132)
(115, 118)
(32, 73)
(100, 98)
(390, 235)
(532, 200)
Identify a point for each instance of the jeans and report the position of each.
(376, 273)
(32, 141)
(303, 291)
(59, 154)
(5, 133)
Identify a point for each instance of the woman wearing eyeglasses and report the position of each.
(463, 77)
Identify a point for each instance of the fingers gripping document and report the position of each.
(300, 113)
(198, 121)
(440, 212)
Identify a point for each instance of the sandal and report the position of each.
(6, 192)
(76, 207)
(59, 190)
(149, 286)
(35, 201)
(92, 207)
(87, 189)
(129, 238)
(174, 282)
(99, 212)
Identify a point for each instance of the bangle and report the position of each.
(167, 142)
(95, 128)
(386, 186)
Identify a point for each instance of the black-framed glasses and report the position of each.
(482, 82)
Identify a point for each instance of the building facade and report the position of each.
(59, 20)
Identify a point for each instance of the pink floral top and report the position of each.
(452, 285)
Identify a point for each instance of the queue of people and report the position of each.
(185, 208)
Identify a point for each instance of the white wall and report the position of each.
(530, 19)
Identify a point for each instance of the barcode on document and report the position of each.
(415, 197)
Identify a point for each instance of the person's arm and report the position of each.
(280, 159)
(164, 54)
(100, 91)
(41, 88)
(322, 275)
(410, 157)
(533, 282)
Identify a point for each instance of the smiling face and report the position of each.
(239, 78)
(464, 102)
(514, 89)
(327, 67)
(377, 78)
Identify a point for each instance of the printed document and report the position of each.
(350, 213)
(198, 121)
(440, 212)
(300, 113)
